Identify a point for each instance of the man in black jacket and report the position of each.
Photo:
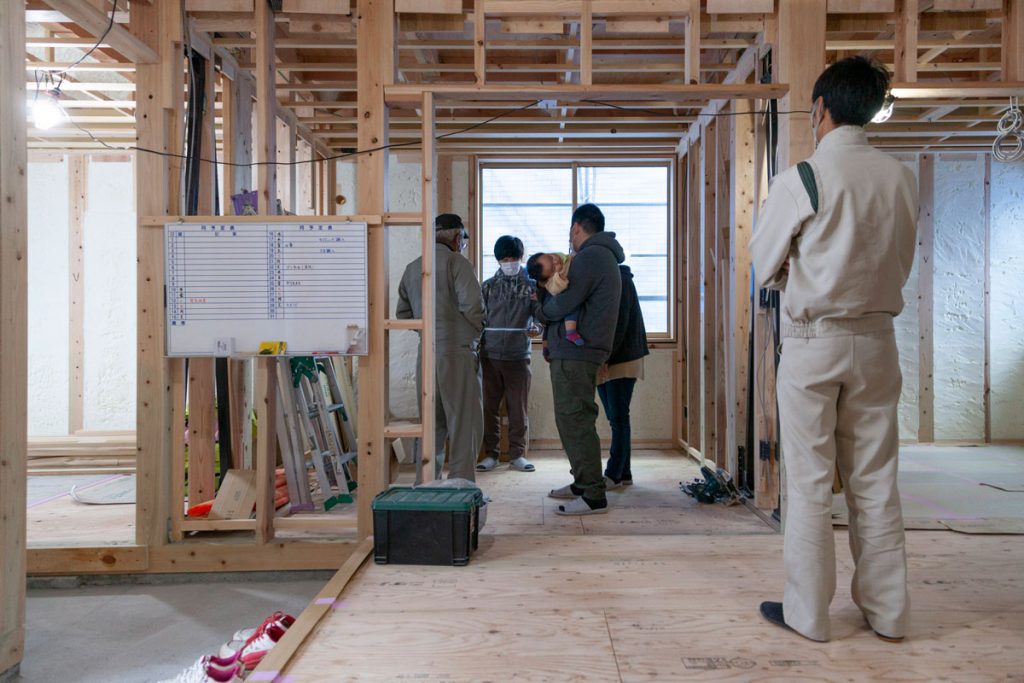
(617, 380)
(595, 287)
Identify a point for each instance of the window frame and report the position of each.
(662, 161)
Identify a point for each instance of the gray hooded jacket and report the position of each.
(509, 302)
(595, 287)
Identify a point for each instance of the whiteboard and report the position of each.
(231, 286)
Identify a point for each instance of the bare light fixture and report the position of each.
(46, 109)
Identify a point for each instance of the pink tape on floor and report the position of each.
(264, 675)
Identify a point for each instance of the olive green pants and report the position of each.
(574, 385)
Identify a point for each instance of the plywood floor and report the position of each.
(660, 589)
(55, 519)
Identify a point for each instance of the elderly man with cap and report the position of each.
(459, 322)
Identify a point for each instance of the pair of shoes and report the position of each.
(628, 481)
(210, 669)
(612, 485)
(521, 464)
(250, 646)
(487, 464)
(241, 637)
(567, 492)
(579, 507)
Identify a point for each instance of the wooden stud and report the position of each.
(230, 125)
(479, 42)
(266, 109)
(907, 28)
(176, 372)
(692, 56)
(694, 363)
(709, 261)
(723, 214)
(428, 447)
(925, 299)
(743, 185)
(266, 446)
(587, 44)
(78, 201)
(13, 335)
(202, 426)
(801, 58)
(331, 187)
(152, 24)
(1013, 40)
(443, 183)
(987, 389)
(375, 36)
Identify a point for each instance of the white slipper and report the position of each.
(564, 493)
(521, 464)
(487, 464)
(578, 508)
(611, 485)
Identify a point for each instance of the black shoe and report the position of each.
(772, 612)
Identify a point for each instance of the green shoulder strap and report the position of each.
(807, 176)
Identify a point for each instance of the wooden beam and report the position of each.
(266, 109)
(479, 42)
(637, 95)
(692, 56)
(801, 58)
(96, 22)
(587, 44)
(1013, 40)
(428, 446)
(375, 35)
(77, 204)
(925, 299)
(13, 335)
(907, 29)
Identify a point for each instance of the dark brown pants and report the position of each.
(508, 379)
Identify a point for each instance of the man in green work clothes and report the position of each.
(459, 321)
(593, 294)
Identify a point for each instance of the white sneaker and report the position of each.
(209, 670)
(242, 636)
(611, 485)
(257, 647)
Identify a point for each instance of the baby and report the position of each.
(551, 271)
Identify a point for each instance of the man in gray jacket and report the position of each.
(511, 305)
(459, 321)
(594, 289)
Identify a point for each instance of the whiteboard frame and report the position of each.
(170, 223)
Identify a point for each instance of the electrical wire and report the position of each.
(660, 112)
(99, 41)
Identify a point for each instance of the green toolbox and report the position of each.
(426, 525)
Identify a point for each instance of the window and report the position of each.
(535, 203)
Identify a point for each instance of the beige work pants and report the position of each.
(838, 388)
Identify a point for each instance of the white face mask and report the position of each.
(510, 269)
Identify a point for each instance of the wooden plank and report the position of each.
(479, 42)
(692, 56)
(219, 5)
(375, 36)
(13, 333)
(1013, 40)
(861, 6)
(428, 447)
(525, 25)
(694, 363)
(77, 204)
(587, 45)
(709, 318)
(967, 5)
(276, 662)
(743, 184)
(317, 6)
(740, 6)
(907, 29)
(176, 372)
(152, 199)
(97, 23)
(987, 389)
(202, 427)
(653, 25)
(429, 6)
(925, 299)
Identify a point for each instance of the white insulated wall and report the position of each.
(1006, 272)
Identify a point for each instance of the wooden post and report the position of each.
(587, 44)
(79, 189)
(679, 305)
(13, 335)
(443, 184)
(723, 217)
(743, 181)
(375, 39)
(265, 393)
(154, 25)
(907, 26)
(428, 447)
(709, 145)
(691, 65)
(926, 299)
(694, 184)
(801, 59)
(229, 123)
(1013, 40)
(479, 42)
(331, 187)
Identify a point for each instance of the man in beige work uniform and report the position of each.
(841, 266)
(459, 318)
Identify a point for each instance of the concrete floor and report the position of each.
(145, 633)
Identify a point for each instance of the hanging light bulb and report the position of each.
(46, 109)
(886, 111)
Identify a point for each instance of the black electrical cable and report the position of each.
(99, 41)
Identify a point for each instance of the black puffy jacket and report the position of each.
(630, 334)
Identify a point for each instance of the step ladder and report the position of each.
(313, 433)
